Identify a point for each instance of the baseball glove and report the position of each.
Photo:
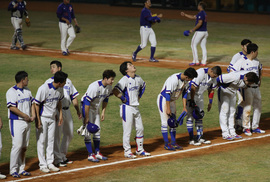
(77, 29)
(27, 21)
(186, 33)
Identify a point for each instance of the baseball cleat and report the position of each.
(134, 57)
(92, 158)
(202, 140)
(14, 48)
(68, 52)
(197, 64)
(44, 169)
(15, 175)
(130, 156)
(191, 64)
(176, 146)
(68, 162)
(143, 153)
(202, 64)
(61, 164)
(153, 60)
(53, 168)
(258, 130)
(64, 53)
(247, 132)
(193, 142)
(101, 157)
(3, 176)
(228, 138)
(25, 173)
(24, 47)
(237, 137)
(168, 147)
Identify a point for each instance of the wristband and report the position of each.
(122, 98)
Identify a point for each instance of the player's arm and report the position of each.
(104, 105)
(184, 100)
(76, 106)
(86, 111)
(200, 22)
(210, 96)
(59, 107)
(38, 121)
(20, 113)
(33, 112)
(119, 94)
(193, 17)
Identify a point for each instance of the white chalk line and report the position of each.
(145, 158)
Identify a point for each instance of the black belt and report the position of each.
(65, 108)
(252, 86)
(145, 26)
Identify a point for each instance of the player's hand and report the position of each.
(79, 114)
(184, 109)
(38, 125)
(16, 5)
(32, 119)
(102, 117)
(209, 107)
(67, 21)
(182, 14)
(27, 118)
(60, 121)
(160, 15)
(168, 111)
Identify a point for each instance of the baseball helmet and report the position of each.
(92, 128)
(186, 33)
(172, 121)
(197, 113)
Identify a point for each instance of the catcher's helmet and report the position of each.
(197, 113)
(92, 128)
(172, 121)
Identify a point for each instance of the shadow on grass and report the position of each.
(36, 44)
(216, 59)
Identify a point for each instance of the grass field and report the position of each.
(110, 34)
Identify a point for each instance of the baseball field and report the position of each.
(109, 36)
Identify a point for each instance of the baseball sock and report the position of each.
(173, 134)
(153, 50)
(239, 112)
(89, 147)
(96, 144)
(165, 134)
(190, 129)
(199, 127)
(138, 49)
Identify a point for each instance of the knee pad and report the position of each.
(19, 31)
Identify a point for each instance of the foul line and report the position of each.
(145, 158)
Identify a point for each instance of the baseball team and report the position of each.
(50, 108)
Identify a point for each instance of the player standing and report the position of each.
(18, 9)
(19, 103)
(130, 89)
(228, 85)
(204, 81)
(251, 95)
(66, 129)
(65, 13)
(200, 35)
(46, 103)
(146, 31)
(1, 125)
(98, 92)
(170, 92)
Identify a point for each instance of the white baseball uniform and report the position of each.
(61, 148)
(95, 95)
(229, 83)
(19, 129)
(202, 83)
(132, 89)
(251, 95)
(47, 98)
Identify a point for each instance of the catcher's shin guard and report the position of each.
(19, 36)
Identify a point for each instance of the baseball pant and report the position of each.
(65, 131)
(64, 31)
(251, 97)
(20, 133)
(94, 117)
(17, 25)
(45, 142)
(199, 37)
(0, 143)
(226, 105)
(147, 34)
(131, 117)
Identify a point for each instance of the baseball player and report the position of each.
(46, 102)
(228, 85)
(251, 95)
(146, 31)
(66, 129)
(1, 125)
(97, 94)
(130, 89)
(236, 57)
(200, 35)
(18, 9)
(65, 13)
(170, 92)
(21, 113)
(206, 80)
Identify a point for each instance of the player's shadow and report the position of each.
(216, 59)
(36, 44)
(165, 54)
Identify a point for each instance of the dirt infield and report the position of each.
(155, 146)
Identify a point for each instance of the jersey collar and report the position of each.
(51, 86)
(100, 83)
(17, 88)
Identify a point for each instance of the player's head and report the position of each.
(55, 66)
(108, 77)
(251, 78)
(215, 72)
(147, 3)
(22, 76)
(60, 78)
(66, 1)
(190, 73)
(127, 66)
(201, 6)
(244, 44)
(253, 50)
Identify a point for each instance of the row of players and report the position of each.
(48, 112)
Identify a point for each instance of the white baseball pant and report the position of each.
(64, 31)
(147, 33)
(199, 37)
(94, 117)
